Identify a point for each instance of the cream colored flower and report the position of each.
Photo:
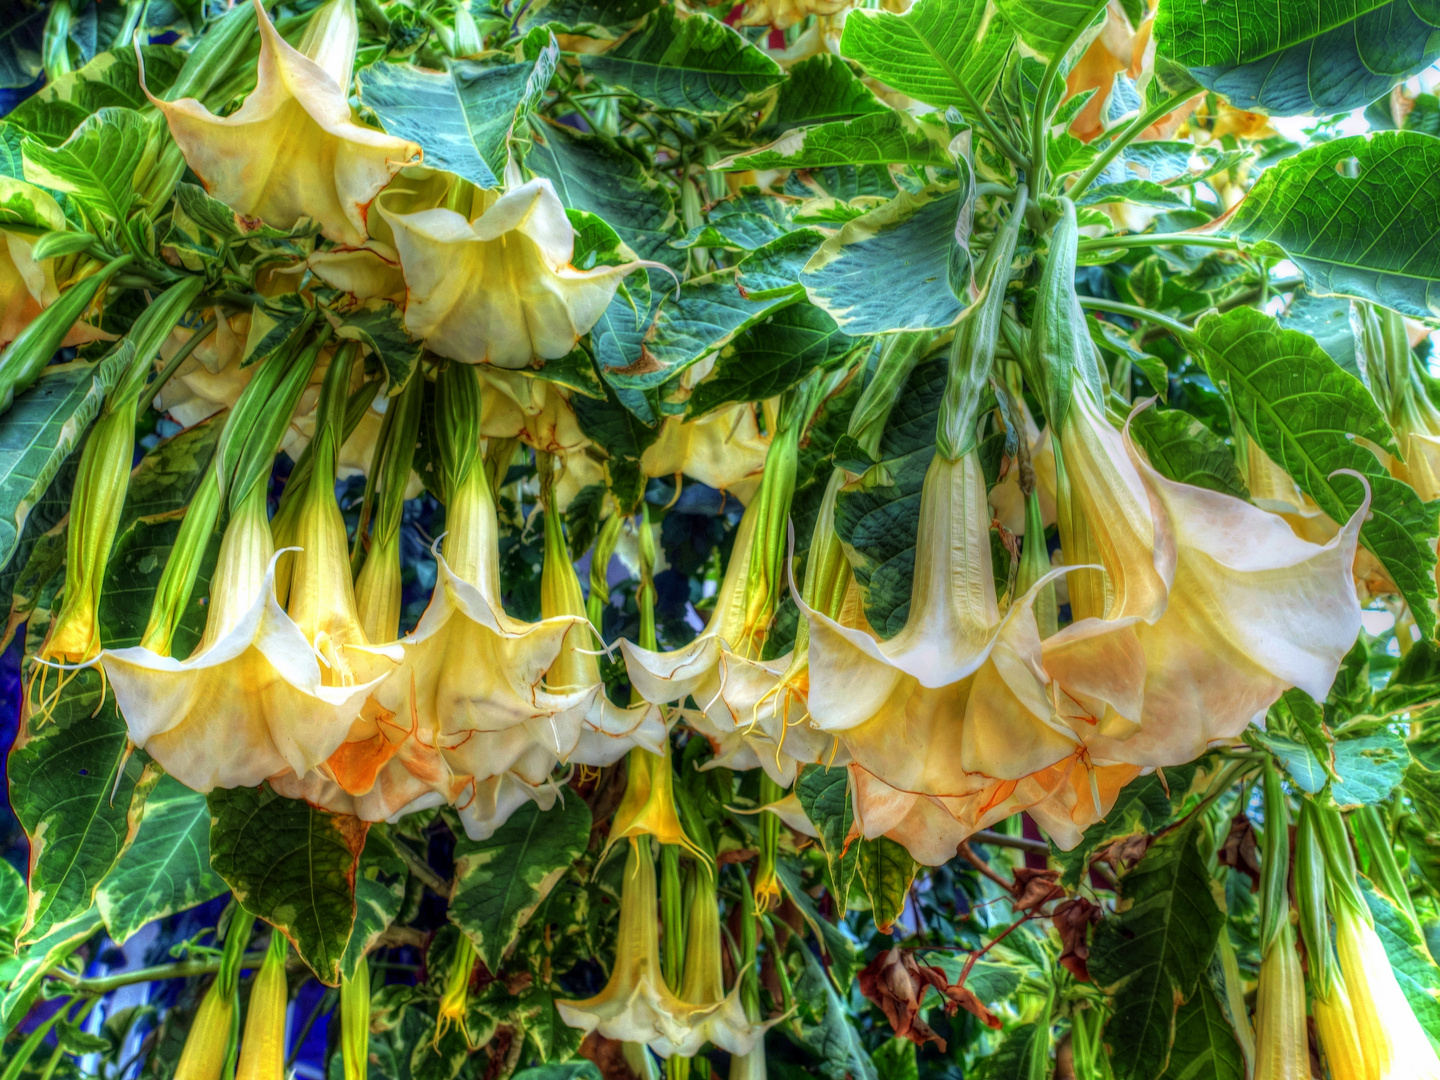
(1207, 610)
(636, 1005)
(783, 14)
(292, 151)
(251, 701)
(722, 449)
(516, 405)
(28, 286)
(496, 286)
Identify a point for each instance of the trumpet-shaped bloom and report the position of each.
(497, 287)
(1207, 610)
(636, 1005)
(1391, 1039)
(783, 14)
(292, 150)
(208, 1043)
(722, 449)
(1282, 1049)
(952, 703)
(262, 1047)
(27, 285)
(252, 700)
(1338, 1033)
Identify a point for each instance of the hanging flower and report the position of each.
(636, 1005)
(251, 701)
(783, 14)
(292, 151)
(28, 285)
(262, 1047)
(722, 449)
(1281, 1048)
(495, 286)
(1207, 610)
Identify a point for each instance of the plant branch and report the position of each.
(1126, 136)
(1144, 240)
(421, 869)
(984, 867)
(180, 969)
(1041, 118)
(1179, 329)
(1019, 843)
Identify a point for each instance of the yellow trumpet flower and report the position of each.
(1281, 1047)
(495, 285)
(28, 285)
(636, 1005)
(208, 1043)
(293, 151)
(1338, 1031)
(723, 449)
(1208, 608)
(262, 1047)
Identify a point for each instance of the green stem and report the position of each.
(181, 969)
(1126, 136)
(206, 329)
(1179, 329)
(1144, 240)
(1041, 117)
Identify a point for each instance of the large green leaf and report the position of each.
(1183, 449)
(1359, 216)
(463, 118)
(844, 958)
(293, 865)
(933, 50)
(500, 882)
(885, 870)
(96, 164)
(769, 358)
(36, 436)
(1297, 59)
(825, 795)
(902, 266)
(877, 138)
(1046, 25)
(695, 64)
(20, 39)
(1303, 410)
(1369, 767)
(1205, 1046)
(78, 791)
(1150, 956)
(167, 867)
(111, 80)
(1334, 324)
(820, 89)
(379, 894)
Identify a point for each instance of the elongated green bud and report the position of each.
(34, 347)
(355, 1022)
(1380, 864)
(1034, 565)
(377, 591)
(973, 351)
(457, 401)
(1060, 349)
(605, 541)
(1310, 899)
(221, 47)
(1274, 900)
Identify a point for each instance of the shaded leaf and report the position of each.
(1205, 1045)
(825, 796)
(885, 870)
(379, 894)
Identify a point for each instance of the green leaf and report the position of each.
(43, 426)
(899, 267)
(1297, 60)
(831, 1036)
(292, 865)
(1023, 1055)
(21, 974)
(1150, 957)
(1138, 192)
(1410, 959)
(1183, 449)
(96, 164)
(79, 792)
(885, 869)
(1297, 759)
(825, 796)
(1369, 767)
(500, 882)
(1334, 323)
(696, 64)
(167, 868)
(769, 358)
(1302, 409)
(111, 80)
(841, 951)
(20, 40)
(1359, 216)
(1205, 1045)
(464, 118)
(933, 50)
(1046, 25)
(773, 271)
(820, 89)
(895, 1060)
(379, 894)
(586, 14)
(12, 907)
(1143, 805)
(380, 326)
(878, 517)
(877, 138)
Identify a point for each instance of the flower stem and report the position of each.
(1126, 136)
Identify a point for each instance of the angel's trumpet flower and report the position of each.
(648, 805)
(455, 1001)
(1281, 1044)
(262, 1047)
(952, 703)
(722, 449)
(209, 1043)
(783, 14)
(607, 730)
(493, 284)
(1204, 609)
(722, 1018)
(1391, 1039)
(251, 701)
(292, 151)
(636, 1005)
